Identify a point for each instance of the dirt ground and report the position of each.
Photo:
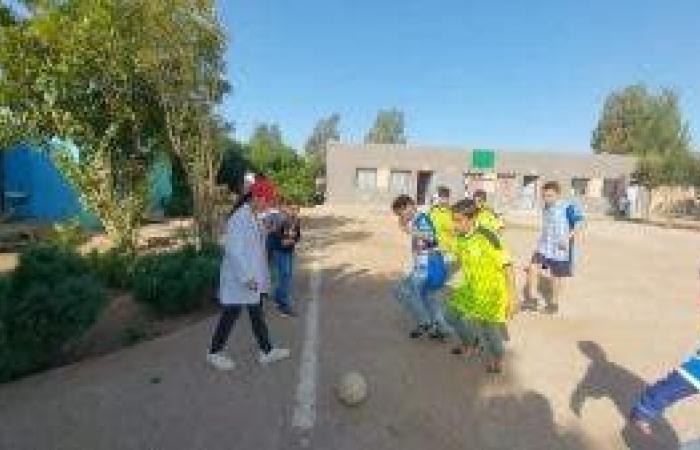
(631, 314)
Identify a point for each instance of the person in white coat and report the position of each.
(245, 277)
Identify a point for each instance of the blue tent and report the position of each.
(33, 188)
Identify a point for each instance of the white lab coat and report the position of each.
(245, 258)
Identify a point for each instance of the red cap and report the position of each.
(263, 189)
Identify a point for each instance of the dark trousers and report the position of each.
(230, 315)
(284, 268)
(662, 394)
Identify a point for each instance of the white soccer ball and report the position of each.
(352, 389)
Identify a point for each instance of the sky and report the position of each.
(516, 74)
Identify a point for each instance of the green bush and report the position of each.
(51, 298)
(115, 268)
(47, 264)
(177, 282)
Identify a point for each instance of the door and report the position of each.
(425, 180)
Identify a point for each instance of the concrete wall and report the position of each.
(450, 166)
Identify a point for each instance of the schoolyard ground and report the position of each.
(631, 314)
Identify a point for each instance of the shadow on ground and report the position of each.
(606, 379)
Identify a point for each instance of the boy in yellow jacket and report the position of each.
(483, 301)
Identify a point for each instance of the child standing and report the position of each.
(481, 305)
(561, 223)
(284, 242)
(245, 278)
(416, 291)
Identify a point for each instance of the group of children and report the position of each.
(458, 253)
(461, 278)
(462, 281)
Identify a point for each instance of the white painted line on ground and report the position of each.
(305, 410)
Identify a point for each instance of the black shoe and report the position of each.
(457, 350)
(551, 309)
(437, 335)
(416, 334)
(529, 305)
(494, 369)
(419, 332)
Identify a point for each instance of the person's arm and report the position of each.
(403, 225)
(577, 231)
(512, 290)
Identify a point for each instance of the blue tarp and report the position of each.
(35, 189)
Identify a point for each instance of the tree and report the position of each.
(388, 128)
(234, 165)
(325, 130)
(636, 122)
(183, 60)
(267, 151)
(69, 79)
(6, 16)
(651, 127)
(267, 154)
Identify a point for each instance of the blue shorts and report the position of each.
(559, 269)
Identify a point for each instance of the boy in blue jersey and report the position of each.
(561, 223)
(413, 292)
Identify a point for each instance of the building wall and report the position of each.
(451, 166)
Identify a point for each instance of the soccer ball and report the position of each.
(352, 389)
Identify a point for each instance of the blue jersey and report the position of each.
(423, 233)
(690, 370)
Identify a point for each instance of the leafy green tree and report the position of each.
(296, 181)
(325, 130)
(637, 122)
(69, 73)
(388, 128)
(651, 127)
(267, 151)
(6, 16)
(234, 165)
(182, 57)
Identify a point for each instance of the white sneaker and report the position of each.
(276, 354)
(220, 361)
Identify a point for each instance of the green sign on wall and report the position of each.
(483, 159)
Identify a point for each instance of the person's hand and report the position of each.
(252, 285)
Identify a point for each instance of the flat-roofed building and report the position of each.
(376, 173)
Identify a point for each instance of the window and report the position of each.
(366, 179)
(579, 186)
(400, 182)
